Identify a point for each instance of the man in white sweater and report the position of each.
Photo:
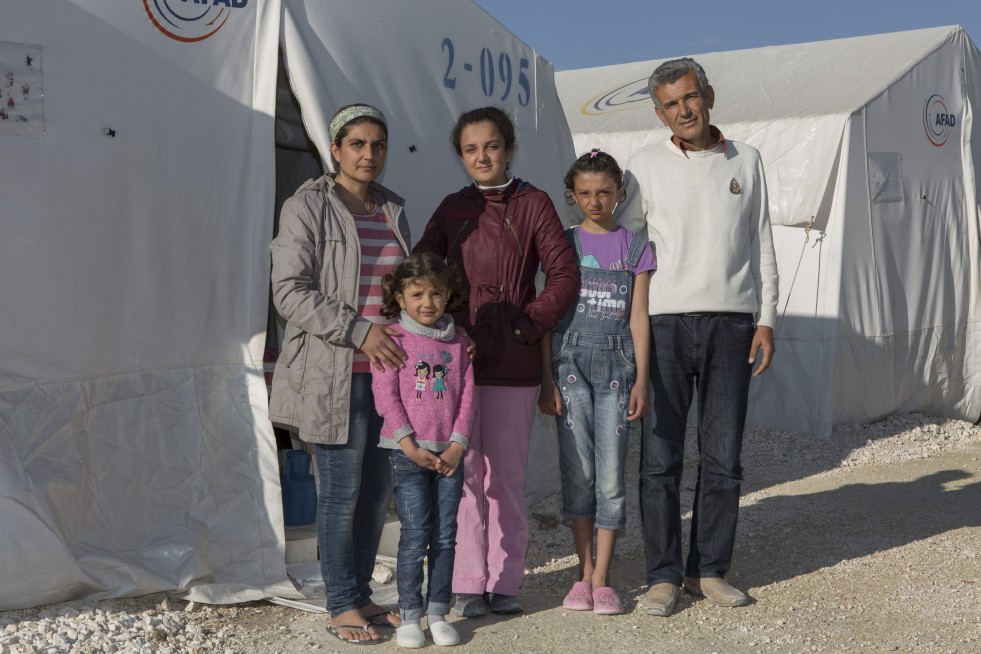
(713, 301)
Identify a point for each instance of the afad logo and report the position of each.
(937, 120)
(191, 20)
(632, 95)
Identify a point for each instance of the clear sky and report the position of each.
(583, 33)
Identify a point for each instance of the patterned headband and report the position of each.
(349, 114)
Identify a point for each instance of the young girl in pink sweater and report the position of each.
(428, 409)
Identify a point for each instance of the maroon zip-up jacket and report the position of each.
(498, 240)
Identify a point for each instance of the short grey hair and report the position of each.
(671, 71)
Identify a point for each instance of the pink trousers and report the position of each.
(492, 526)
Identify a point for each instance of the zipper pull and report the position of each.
(507, 223)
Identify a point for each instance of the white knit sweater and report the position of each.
(707, 214)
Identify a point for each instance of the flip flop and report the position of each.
(333, 631)
(373, 619)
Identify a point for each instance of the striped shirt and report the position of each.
(380, 255)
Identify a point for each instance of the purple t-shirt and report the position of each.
(609, 251)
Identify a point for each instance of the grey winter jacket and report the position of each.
(316, 263)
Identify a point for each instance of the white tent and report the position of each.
(871, 138)
(137, 203)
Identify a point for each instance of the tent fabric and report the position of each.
(791, 102)
(136, 454)
(879, 302)
(464, 60)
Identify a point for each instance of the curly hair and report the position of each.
(425, 265)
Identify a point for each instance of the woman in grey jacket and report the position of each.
(337, 236)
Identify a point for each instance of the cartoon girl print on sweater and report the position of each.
(422, 379)
(439, 380)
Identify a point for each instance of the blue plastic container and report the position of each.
(299, 490)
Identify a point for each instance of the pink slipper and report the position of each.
(606, 601)
(580, 597)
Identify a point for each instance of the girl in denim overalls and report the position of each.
(593, 360)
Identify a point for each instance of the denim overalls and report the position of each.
(594, 368)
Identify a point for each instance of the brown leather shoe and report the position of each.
(716, 590)
(660, 599)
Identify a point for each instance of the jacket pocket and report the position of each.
(500, 353)
(296, 352)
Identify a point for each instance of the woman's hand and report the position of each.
(381, 348)
(471, 346)
(638, 401)
(549, 398)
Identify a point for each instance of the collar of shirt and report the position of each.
(498, 189)
(714, 133)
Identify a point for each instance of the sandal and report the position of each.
(387, 624)
(334, 631)
(580, 597)
(606, 601)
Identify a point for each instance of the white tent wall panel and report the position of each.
(799, 393)
(971, 152)
(620, 145)
(860, 371)
(806, 330)
(907, 339)
(116, 215)
(131, 397)
(463, 61)
(799, 155)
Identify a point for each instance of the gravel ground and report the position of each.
(867, 542)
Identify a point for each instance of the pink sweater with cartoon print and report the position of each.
(432, 397)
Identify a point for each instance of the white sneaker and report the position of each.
(410, 636)
(444, 633)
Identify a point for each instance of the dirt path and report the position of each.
(857, 545)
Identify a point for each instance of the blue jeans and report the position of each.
(710, 351)
(427, 503)
(594, 373)
(355, 485)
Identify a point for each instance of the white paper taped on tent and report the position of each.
(136, 454)
(21, 91)
(880, 300)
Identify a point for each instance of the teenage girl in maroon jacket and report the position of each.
(498, 232)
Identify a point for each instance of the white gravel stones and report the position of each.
(88, 630)
(919, 593)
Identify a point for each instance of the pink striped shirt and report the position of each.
(380, 255)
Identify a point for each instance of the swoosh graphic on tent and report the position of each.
(223, 15)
